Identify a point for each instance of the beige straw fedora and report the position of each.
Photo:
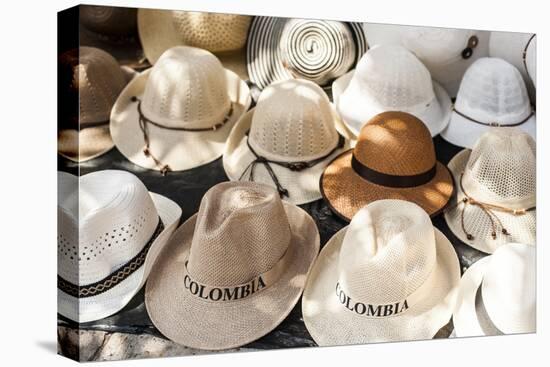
(394, 158)
(495, 201)
(90, 80)
(391, 78)
(234, 271)
(222, 34)
(388, 276)
(110, 231)
(286, 141)
(497, 294)
(108, 20)
(178, 114)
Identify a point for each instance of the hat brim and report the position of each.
(330, 323)
(346, 192)
(196, 323)
(181, 150)
(521, 227)
(435, 117)
(302, 186)
(109, 302)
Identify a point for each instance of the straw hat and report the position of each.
(394, 158)
(287, 148)
(222, 34)
(317, 50)
(446, 52)
(388, 276)
(493, 180)
(178, 114)
(90, 80)
(492, 93)
(497, 294)
(391, 78)
(110, 231)
(108, 20)
(531, 60)
(234, 271)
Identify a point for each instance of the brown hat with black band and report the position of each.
(394, 158)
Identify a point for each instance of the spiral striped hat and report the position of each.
(316, 50)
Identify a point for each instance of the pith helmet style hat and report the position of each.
(110, 231)
(394, 158)
(233, 271)
(446, 52)
(495, 200)
(391, 78)
(108, 20)
(222, 34)
(388, 276)
(286, 141)
(90, 81)
(178, 114)
(317, 50)
(492, 94)
(497, 294)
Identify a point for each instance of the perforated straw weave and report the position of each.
(500, 170)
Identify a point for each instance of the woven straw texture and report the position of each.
(500, 170)
(108, 20)
(394, 143)
(389, 252)
(304, 130)
(186, 88)
(317, 50)
(241, 230)
(391, 78)
(115, 218)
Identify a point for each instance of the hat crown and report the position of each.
(113, 219)
(241, 232)
(187, 88)
(93, 79)
(501, 169)
(293, 120)
(387, 253)
(211, 31)
(493, 91)
(112, 20)
(395, 143)
(436, 45)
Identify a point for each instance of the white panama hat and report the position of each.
(388, 276)
(110, 231)
(497, 294)
(446, 52)
(492, 93)
(390, 78)
(178, 114)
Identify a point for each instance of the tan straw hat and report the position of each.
(394, 158)
(110, 231)
(222, 34)
(90, 80)
(178, 114)
(495, 199)
(108, 20)
(232, 272)
(497, 294)
(286, 141)
(388, 276)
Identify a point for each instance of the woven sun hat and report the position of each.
(394, 158)
(391, 78)
(497, 294)
(108, 20)
(317, 50)
(495, 201)
(222, 34)
(233, 271)
(389, 275)
(287, 140)
(492, 94)
(110, 231)
(446, 52)
(90, 81)
(178, 114)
